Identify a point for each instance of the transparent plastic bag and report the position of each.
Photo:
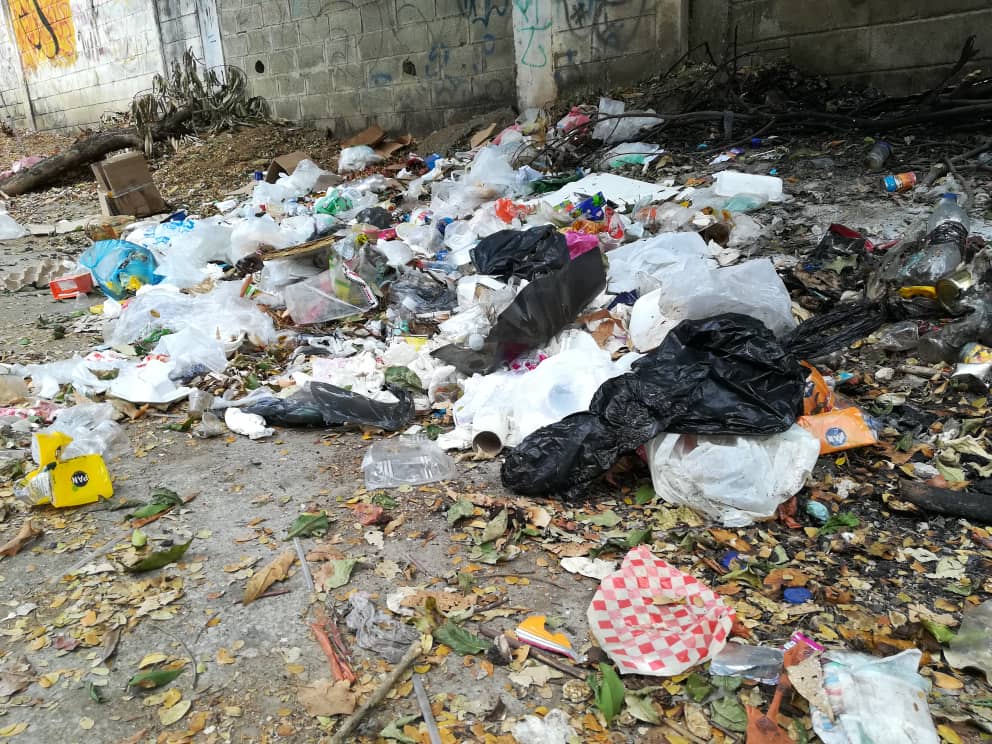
(93, 431)
(303, 178)
(336, 293)
(971, 648)
(663, 255)
(191, 352)
(406, 461)
(377, 631)
(733, 479)
(732, 183)
(620, 129)
(10, 228)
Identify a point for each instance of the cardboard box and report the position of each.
(125, 186)
(284, 164)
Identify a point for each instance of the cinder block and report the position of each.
(348, 77)
(378, 16)
(342, 126)
(414, 11)
(895, 46)
(310, 57)
(374, 45)
(340, 51)
(235, 45)
(382, 72)
(624, 37)
(498, 27)
(275, 12)
(304, 9)
(777, 18)
(343, 104)
(313, 107)
(411, 97)
(423, 122)
(376, 101)
(248, 19)
(285, 36)
(281, 63)
(838, 52)
(319, 82)
(345, 23)
(258, 42)
(915, 9)
(498, 55)
(453, 92)
(494, 88)
(571, 46)
(463, 60)
(630, 68)
(292, 85)
(314, 30)
(287, 108)
(267, 87)
(411, 38)
(451, 31)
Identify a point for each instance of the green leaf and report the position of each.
(644, 495)
(638, 537)
(152, 678)
(94, 692)
(640, 708)
(461, 508)
(727, 683)
(905, 442)
(698, 687)
(383, 499)
(730, 714)
(496, 527)
(963, 589)
(837, 521)
(162, 499)
(609, 691)
(160, 558)
(603, 519)
(942, 633)
(461, 641)
(342, 573)
(308, 524)
(405, 378)
(183, 426)
(394, 730)
(139, 539)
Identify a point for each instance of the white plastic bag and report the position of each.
(731, 183)
(92, 428)
(9, 228)
(357, 158)
(752, 288)
(621, 129)
(733, 479)
(663, 255)
(191, 348)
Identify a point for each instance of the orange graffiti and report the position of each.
(44, 31)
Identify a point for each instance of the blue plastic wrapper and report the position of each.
(118, 266)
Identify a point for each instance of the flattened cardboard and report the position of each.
(482, 135)
(284, 164)
(387, 147)
(371, 136)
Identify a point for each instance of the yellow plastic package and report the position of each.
(61, 483)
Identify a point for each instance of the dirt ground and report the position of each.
(873, 586)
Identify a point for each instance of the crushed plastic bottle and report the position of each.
(763, 663)
(901, 336)
(877, 156)
(407, 461)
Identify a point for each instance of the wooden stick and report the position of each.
(339, 668)
(343, 734)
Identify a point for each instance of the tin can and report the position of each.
(951, 287)
(899, 182)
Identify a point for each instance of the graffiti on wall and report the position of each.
(44, 31)
(601, 17)
(533, 26)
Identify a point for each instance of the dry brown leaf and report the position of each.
(267, 576)
(570, 550)
(946, 681)
(28, 532)
(779, 577)
(326, 698)
(16, 676)
(807, 679)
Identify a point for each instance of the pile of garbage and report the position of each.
(570, 319)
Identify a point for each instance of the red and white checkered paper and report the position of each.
(641, 633)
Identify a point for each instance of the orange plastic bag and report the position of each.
(817, 395)
(840, 429)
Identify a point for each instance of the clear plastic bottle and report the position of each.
(948, 215)
(876, 157)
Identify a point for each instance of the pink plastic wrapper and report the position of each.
(653, 619)
(573, 120)
(579, 243)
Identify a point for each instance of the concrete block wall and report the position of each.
(406, 64)
(11, 85)
(180, 29)
(116, 55)
(900, 47)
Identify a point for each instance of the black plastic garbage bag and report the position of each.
(524, 253)
(321, 404)
(722, 375)
(375, 216)
(538, 312)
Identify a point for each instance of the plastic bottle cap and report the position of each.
(949, 196)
